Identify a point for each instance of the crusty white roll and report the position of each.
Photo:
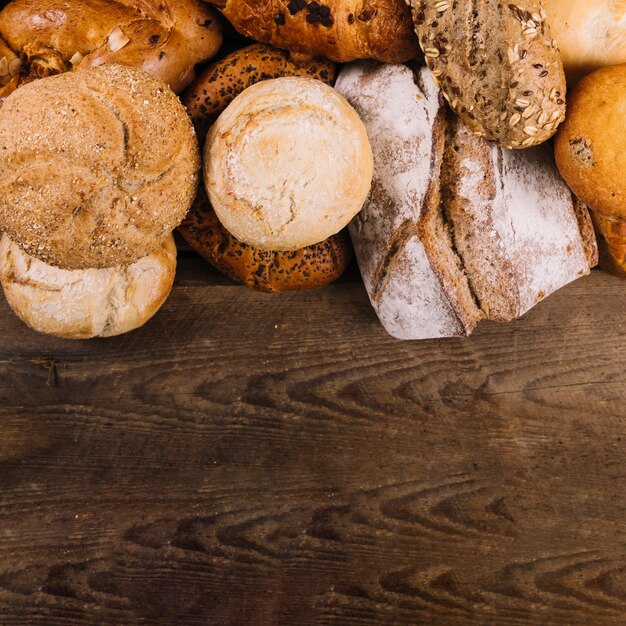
(80, 304)
(287, 164)
(98, 166)
(591, 34)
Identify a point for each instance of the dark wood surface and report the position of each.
(277, 459)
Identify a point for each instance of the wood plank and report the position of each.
(249, 458)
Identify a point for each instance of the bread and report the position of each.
(591, 34)
(287, 164)
(99, 166)
(81, 304)
(221, 82)
(341, 30)
(456, 229)
(498, 66)
(264, 270)
(165, 38)
(589, 147)
(589, 150)
(9, 65)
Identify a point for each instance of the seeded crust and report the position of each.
(165, 38)
(264, 270)
(223, 81)
(337, 29)
(497, 64)
(99, 166)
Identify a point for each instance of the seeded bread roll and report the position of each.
(287, 164)
(498, 66)
(99, 166)
(264, 270)
(220, 83)
(81, 304)
(165, 38)
(337, 29)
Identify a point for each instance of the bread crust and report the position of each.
(99, 166)
(82, 304)
(347, 30)
(166, 38)
(498, 66)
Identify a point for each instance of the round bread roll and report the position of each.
(591, 34)
(99, 166)
(81, 304)
(589, 146)
(264, 270)
(221, 82)
(287, 164)
(165, 38)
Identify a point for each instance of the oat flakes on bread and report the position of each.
(165, 38)
(81, 304)
(341, 30)
(99, 166)
(498, 66)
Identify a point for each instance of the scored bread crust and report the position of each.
(456, 228)
(165, 38)
(99, 166)
(81, 304)
(342, 31)
(497, 64)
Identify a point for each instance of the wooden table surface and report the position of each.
(277, 459)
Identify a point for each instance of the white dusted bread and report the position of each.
(98, 166)
(456, 229)
(80, 304)
(287, 164)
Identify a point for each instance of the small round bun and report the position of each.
(591, 34)
(99, 166)
(287, 164)
(264, 270)
(80, 304)
(589, 147)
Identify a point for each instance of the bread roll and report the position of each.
(339, 30)
(221, 82)
(264, 270)
(165, 38)
(456, 229)
(287, 164)
(498, 66)
(591, 34)
(81, 304)
(99, 166)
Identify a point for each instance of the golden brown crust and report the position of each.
(99, 166)
(497, 65)
(166, 38)
(264, 270)
(220, 83)
(589, 147)
(341, 30)
(611, 244)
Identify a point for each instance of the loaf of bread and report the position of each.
(589, 150)
(497, 64)
(81, 304)
(337, 29)
(591, 34)
(264, 270)
(165, 38)
(222, 81)
(99, 166)
(456, 228)
(287, 164)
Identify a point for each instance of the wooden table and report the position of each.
(277, 459)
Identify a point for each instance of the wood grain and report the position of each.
(262, 459)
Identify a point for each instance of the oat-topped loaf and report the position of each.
(497, 64)
(98, 166)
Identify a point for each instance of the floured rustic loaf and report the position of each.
(456, 229)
